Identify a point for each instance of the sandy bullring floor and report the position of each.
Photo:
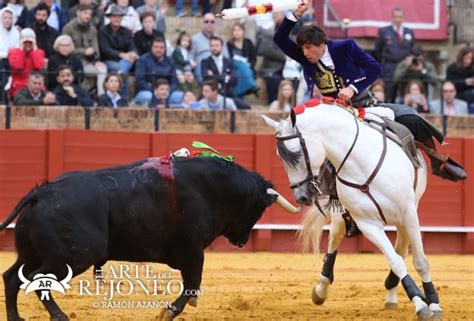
(271, 286)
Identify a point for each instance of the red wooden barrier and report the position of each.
(29, 157)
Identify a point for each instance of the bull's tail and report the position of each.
(309, 237)
(28, 199)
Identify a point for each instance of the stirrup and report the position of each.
(448, 169)
(351, 226)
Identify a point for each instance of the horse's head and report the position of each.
(302, 155)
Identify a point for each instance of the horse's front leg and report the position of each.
(336, 234)
(392, 281)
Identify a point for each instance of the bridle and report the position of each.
(311, 178)
(315, 181)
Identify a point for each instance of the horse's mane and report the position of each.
(289, 157)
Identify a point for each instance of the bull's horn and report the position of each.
(284, 203)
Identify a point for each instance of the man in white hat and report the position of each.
(24, 60)
(10, 38)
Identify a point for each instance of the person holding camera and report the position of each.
(415, 97)
(86, 46)
(414, 67)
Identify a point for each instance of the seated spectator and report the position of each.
(190, 100)
(33, 94)
(10, 37)
(378, 89)
(57, 17)
(159, 14)
(69, 94)
(286, 97)
(182, 52)
(144, 38)
(273, 60)
(86, 47)
(116, 47)
(212, 100)
(24, 60)
(112, 98)
(152, 66)
(96, 15)
(20, 12)
(161, 95)
(187, 82)
(451, 105)
(63, 47)
(45, 35)
(242, 47)
(414, 67)
(219, 68)
(415, 97)
(201, 44)
(130, 21)
(461, 73)
(181, 13)
(244, 56)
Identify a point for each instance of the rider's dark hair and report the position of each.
(311, 35)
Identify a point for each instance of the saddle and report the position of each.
(401, 135)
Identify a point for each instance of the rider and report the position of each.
(341, 69)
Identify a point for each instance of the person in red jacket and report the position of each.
(24, 60)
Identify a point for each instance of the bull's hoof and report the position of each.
(315, 297)
(437, 315)
(14, 318)
(389, 306)
(193, 301)
(166, 315)
(425, 314)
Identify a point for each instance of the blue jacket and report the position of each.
(148, 69)
(352, 63)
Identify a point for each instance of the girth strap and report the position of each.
(364, 188)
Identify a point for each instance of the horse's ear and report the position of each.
(270, 122)
(293, 118)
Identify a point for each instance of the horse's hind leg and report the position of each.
(422, 266)
(12, 287)
(375, 233)
(392, 281)
(336, 234)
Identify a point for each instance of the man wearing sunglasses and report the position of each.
(200, 43)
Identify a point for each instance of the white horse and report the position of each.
(390, 197)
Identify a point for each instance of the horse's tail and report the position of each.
(309, 237)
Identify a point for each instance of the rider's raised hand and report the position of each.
(302, 8)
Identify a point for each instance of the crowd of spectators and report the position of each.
(85, 55)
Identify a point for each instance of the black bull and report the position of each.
(148, 211)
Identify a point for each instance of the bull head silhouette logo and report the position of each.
(45, 283)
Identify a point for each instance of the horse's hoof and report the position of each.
(315, 297)
(437, 315)
(193, 301)
(166, 315)
(391, 306)
(425, 314)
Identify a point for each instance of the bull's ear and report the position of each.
(293, 118)
(270, 122)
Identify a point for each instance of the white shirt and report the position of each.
(53, 20)
(114, 99)
(327, 60)
(219, 61)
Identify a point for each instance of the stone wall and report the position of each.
(171, 120)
